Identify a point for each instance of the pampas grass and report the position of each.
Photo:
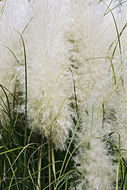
(63, 95)
(99, 75)
(50, 87)
(10, 47)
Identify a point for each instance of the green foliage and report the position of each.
(37, 153)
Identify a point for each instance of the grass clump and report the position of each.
(44, 167)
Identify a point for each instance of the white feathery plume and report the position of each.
(14, 17)
(93, 164)
(16, 14)
(97, 80)
(120, 99)
(13, 21)
(50, 87)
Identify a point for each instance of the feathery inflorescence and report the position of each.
(13, 19)
(50, 88)
(99, 74)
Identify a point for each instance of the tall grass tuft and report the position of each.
(29, 159)
(98, 64)
(63, 95)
